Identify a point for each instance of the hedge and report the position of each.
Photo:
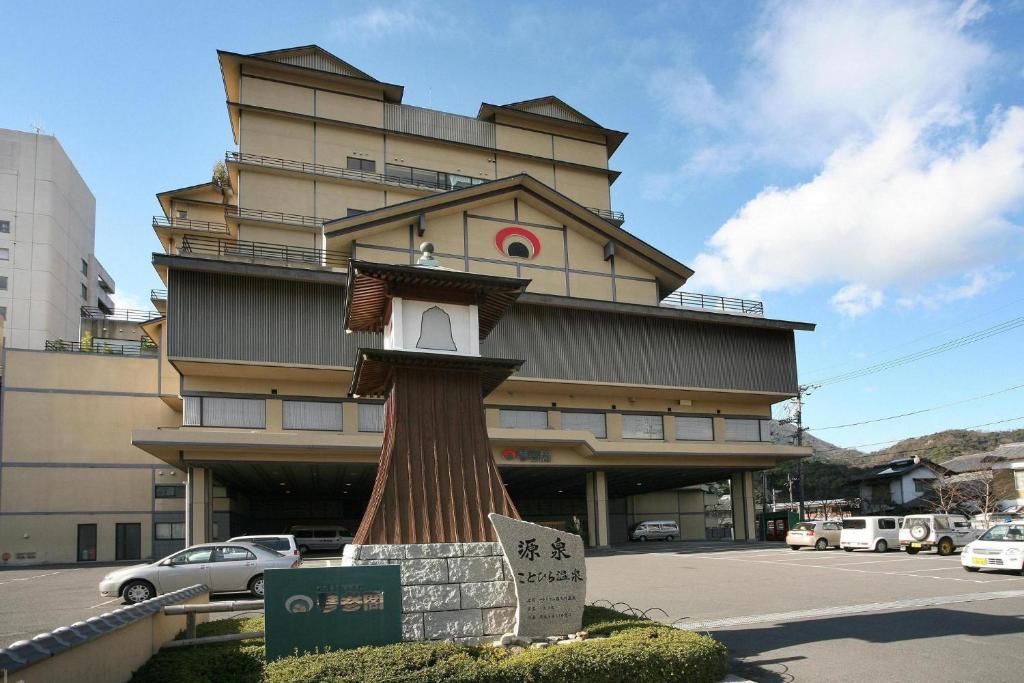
(635, 650)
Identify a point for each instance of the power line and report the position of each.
(950, 345)
(933, 333)
(914, 450)
(917, 412)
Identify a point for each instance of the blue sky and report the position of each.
(859, 165)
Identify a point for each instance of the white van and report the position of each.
(655, 530)
(870, 533)
(320, 537)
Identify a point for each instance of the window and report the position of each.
(182, 213)
(742, 429)
(209, 411)
(921, 485)
(1018, 480)
(5, 254)
(518, 250)
(643, 427)
(3, 282)
(855, 524)
(594, 423)
(3, 311)
(169, 531)
(169, 491)
(85, 267)
(886, 523)
(371, 417)
(233, 553)
(85, 293)
(353, 212)
(367, 165)
(194, 556)
(695, 428)
(5, 226)
(524, 419)
(315, 415)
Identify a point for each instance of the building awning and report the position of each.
(372, 376)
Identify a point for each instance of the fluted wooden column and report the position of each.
(436, 479)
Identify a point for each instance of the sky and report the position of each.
(859, 165)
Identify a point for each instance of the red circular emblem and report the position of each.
(517, 242)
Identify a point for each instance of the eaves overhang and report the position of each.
(230, 267)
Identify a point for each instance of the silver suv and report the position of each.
(943, 532)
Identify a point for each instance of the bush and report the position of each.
(635, 650)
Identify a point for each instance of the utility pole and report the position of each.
(800, 442)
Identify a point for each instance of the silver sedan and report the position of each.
(224, 567)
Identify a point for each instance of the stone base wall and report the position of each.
(450, 591)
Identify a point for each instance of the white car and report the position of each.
(283, 543)
(1001, 547)
(870, 533)
(321, 538)
(224, 567)
(943, 532)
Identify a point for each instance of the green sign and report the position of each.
(331, 607)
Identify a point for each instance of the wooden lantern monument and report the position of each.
(436, 479)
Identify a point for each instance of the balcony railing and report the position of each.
(158, 295)
(713, 303)
(126, 314)
(274, 217)
(261, 251)
(331, 171)
(143, 351)
(609, 215)
(189, 224)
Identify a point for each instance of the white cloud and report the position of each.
(891, 211)
(857, 299)
(392, 20)
(971, 285)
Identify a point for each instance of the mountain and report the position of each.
(938, 447)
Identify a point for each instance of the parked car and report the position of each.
(225, 567)
(284, 544)
(818, 535)
(320, 537)
(1001, 547)
(943, 532)
(655, 530)
(870, 533)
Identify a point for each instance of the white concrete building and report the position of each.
(48, 269)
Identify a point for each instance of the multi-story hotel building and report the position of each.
(242, 421)
(48, 268)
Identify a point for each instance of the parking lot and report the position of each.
(786, 615)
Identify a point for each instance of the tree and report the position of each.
(220, 176)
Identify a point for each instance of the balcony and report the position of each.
(710, 302)
(189, 225)
(401, 176)
(261, 216)
(159, 299)
(122, 314)
(260, 252)
(140, 351)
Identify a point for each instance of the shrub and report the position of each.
(635, 650)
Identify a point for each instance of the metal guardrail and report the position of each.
(714, 303)
(101, 348)
(275, 217)
(189, 224)
(329, 171)
(262, 251)
(158, 295)
(126, 314)
(608, 214)
(190, 612)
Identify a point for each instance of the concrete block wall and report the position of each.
(450, 591)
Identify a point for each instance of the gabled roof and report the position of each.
(314, 57)
(898, 468)
(165, 197)
(555, 108)
(671, 274)
(984, 461)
